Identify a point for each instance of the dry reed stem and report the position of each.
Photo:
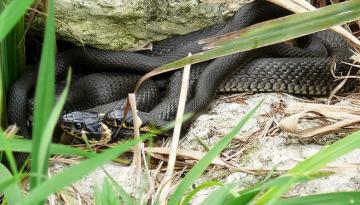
(329, 128)
(176, 134)
(11, 131)
(341, 119)
(137, 151)
(151, 179)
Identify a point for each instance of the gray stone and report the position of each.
(259, 151)
(125, 24)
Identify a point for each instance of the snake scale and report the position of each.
(109, 75)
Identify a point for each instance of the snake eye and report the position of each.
(78, 126)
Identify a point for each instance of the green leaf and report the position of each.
(337, 198)
(122, 193)
(202, 186)
(219, 196)
(13, 54)
(41, 157)
(201, 166)
(244, 199)
(24, 145)
(12, 61)
(248, 194)
(326, 155)
(44, 102)
(6, 183)
(2, 96)
(8, 152)
(13, 192)
(106, 194)
(76, 172)
(14, 11)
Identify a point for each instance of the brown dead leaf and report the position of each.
(186, 154)
(290, 124)
(330, 111)
(343, 117)
(328, 129)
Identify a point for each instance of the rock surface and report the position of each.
(124, 24)
(263, 149)
(256, 148)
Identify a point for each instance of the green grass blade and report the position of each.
(244, 199)
(328, 154)
(13, 192)
(6, 183)
(44, 101)
(24, 145)
(14, 11)
(13, 51)
(41, 157)
(12, 60)
(12, 63)
(8, 152)
(200, 167)
(271, 32)
(276, 182)
(2, 95)
(3, 70)
(249, 193)
(337, 198)
(219, 196)
(76, 172)
(202, 186)
(313, 164)
(122, 193)
(106, 194)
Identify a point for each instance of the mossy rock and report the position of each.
(113, 24)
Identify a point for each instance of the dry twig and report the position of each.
(176, 134)
(137, 124)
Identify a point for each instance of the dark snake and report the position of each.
(302, 69)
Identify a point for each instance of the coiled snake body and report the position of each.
(302, 69)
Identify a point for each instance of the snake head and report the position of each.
(116, 118)
(85, 125)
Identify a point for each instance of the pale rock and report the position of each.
(124, 24)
